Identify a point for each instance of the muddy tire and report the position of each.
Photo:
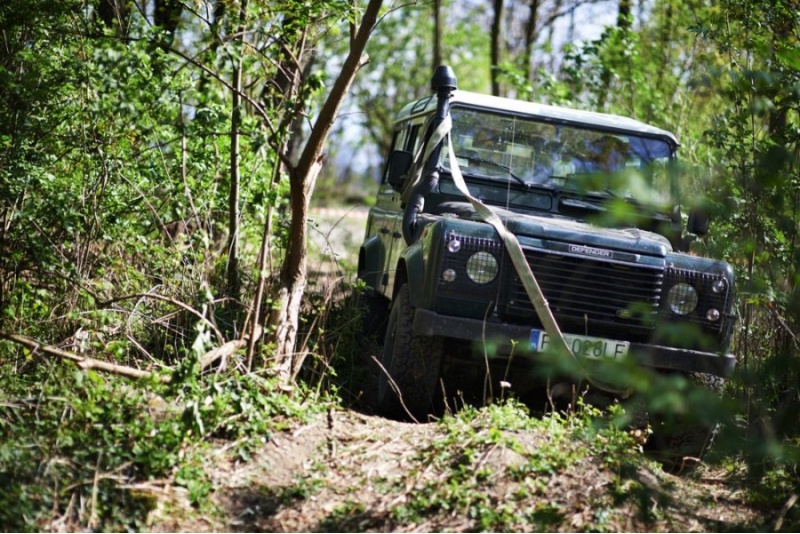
(407, 381)
(681, 446)
(374, 312)
(373, 316)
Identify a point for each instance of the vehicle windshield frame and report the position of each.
(580, 158)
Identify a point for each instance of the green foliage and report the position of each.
(115, 158)
(401, 59)
(756, 139)
(70, 436)
(80, 437)
(725, 79)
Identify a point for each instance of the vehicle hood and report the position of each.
(547, 227)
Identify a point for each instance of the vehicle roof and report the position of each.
(605, 121)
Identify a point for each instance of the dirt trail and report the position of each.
(345, 471)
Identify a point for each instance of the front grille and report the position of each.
(589, 295)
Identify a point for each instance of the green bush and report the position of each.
(76, 445)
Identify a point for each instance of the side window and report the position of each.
(414, 139)
(398, 143)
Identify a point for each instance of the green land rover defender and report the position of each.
(591, 201)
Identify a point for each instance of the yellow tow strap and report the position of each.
(514, 250)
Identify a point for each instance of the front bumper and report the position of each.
(428, 323)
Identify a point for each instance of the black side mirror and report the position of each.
(698, 222)
(399, 164)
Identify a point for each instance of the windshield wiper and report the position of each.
(582, 204)
(477, 159)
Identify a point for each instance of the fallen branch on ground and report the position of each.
(85, 362)
(226, 349)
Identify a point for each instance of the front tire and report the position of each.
(411, 365)
(374, 315)
(680, 446)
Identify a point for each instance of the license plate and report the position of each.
(586, 346)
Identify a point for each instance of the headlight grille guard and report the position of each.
(707, 298)
(457, 261)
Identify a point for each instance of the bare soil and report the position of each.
(346, 471)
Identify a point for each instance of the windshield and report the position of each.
(504, 147)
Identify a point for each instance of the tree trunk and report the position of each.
(497, 45)
(624, 24)
(624, 15)
(437, 34)
(288, 82)
(232, 268)
(289, 293)
(115, 13)
(166, 15)
(531, 33)
(284, 319)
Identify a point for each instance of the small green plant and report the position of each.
(347, 517)
(192, 475)
(303, 488)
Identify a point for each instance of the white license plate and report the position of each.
(586, 346)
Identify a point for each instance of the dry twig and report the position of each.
(85, 362)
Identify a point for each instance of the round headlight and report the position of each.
(718, 285)
(482, 268)
(682, 298)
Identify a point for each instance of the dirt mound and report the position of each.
(345, 471)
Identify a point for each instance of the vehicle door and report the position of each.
(393, 199)
(383, 216)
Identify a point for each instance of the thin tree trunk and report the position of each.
(437, 34)
(167, 15)
(115, 14)
(531, 34)
(497, 45)
(264, 271)
(624, 15)
(624, 24)
(232, 268)
(296, 126)
(292, 284)
(293, 276)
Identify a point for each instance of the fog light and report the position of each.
(682, 298)
(718, 285)
(713, 315)
(453, 246)
(482, 268)
(448, 275)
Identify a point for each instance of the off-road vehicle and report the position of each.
(588, 202)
